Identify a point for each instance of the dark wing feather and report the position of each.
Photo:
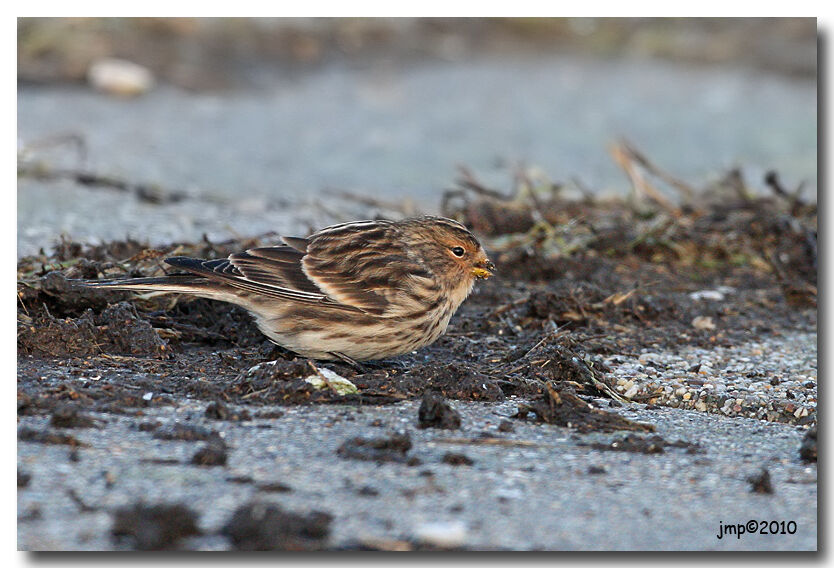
(278, 266)
(255, 278)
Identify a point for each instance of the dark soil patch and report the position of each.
(260, 526)
(70, 417)
(219, 411)
(153, 527)
(647, 445)
(187, 432)
(566, 409)
(149, 426)
(808, 449)
(452, 458)
(760, 483)
(118, 329)
(578, 278)
(210, 455)
(26, 434)
(435, 412)
(23, 479)
(392, 449)
(269, 414)
(273, 487)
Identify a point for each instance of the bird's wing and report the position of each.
(276, 266)
(274, 272)
(363, 264)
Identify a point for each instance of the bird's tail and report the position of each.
(175, 283)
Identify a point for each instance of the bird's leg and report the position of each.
(355, 364)
(369, 365)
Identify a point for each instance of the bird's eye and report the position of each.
(458, 251)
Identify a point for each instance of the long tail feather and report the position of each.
(177, 283)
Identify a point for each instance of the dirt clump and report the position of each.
(564, 408)
(118, 329)
(434, 412)
(452, 458)
(187, 432)
(391, 449)
(27, 434)
(211, 454)
(262, 526)
(66, 416)
(761, 483)
(218, 411)
(808, 449)
(153, 527)
(23, 478)
(644, 445)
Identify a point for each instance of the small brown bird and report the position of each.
(356, 291)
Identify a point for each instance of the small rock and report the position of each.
(632, 392)
(714, 295)
(443, 535)
(120, 77)
(703, 323)
(649, 357)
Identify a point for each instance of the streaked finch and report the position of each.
(356, 291)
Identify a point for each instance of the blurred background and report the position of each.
(171, 129)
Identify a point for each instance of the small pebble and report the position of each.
(440, 534)
(120, 77)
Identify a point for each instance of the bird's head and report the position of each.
(452, 253)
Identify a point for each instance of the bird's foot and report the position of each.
(359, 367)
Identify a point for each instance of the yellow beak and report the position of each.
(483, 271)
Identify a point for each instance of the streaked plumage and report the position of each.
(357, 291)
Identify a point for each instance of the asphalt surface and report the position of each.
(546, 493)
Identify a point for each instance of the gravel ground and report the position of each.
(774, 379)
